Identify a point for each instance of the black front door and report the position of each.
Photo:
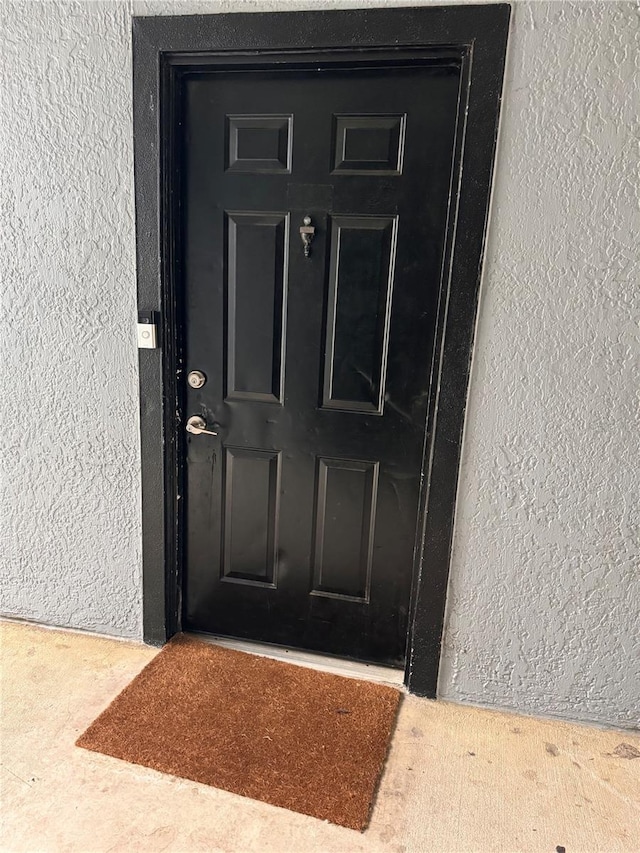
(302, 512)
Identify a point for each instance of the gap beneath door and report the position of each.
(324, 663)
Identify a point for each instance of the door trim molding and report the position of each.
(166, 47)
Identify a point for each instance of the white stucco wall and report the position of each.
(543, 605)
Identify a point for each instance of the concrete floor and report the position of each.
(457, 778)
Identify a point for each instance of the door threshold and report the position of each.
(311, 660)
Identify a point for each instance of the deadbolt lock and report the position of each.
(196, 379)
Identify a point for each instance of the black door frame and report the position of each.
(164, 48)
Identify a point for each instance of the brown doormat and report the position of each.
(294, 737)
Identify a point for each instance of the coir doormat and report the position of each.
(294, 737)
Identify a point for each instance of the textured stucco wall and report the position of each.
(545, 585)
(543, 604)
(70, 498)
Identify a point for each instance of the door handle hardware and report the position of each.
(196, 379)
(307, 232)
(198, 426)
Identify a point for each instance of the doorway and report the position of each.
(314, 357)
(310, 202)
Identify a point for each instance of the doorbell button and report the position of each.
(147, 331)
(147, 336)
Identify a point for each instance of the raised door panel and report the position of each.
(368, 144)
(259, 144)
(359, 297)
(251, 484)
(256, 298)
(346, 492)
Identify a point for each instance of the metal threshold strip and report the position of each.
(311, 660)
